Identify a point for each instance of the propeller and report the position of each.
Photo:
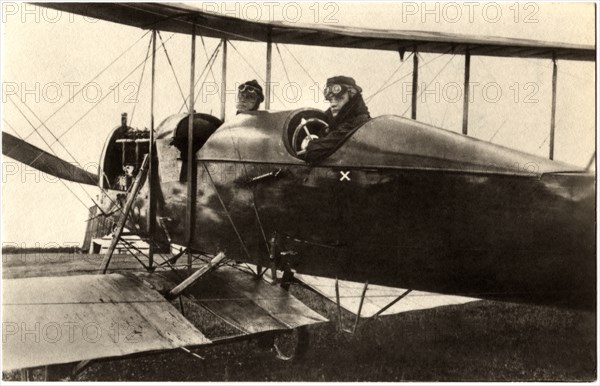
(21, 151)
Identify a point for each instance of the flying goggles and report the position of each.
(334, 90)
(248, 89)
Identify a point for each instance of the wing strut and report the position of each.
(465, 124)
(151, 225)
(224, 80)
(193, 278)
(553, 116)
(191, 161)
(139, 181)
(415, 84)
(268, 80)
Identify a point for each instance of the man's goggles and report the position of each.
(248, 89)
(334, 90)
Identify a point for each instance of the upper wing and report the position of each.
(180, 18)
(21, 151)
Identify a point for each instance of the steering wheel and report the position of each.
(306, 131)
(301, 127)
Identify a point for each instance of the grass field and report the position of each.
(480, 341)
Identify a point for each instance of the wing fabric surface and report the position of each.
(21, 151)
(378, 296)
(251, 305)
(68, 319)
(180, 18)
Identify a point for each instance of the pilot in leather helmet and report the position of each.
(250, 96)
(347, 111)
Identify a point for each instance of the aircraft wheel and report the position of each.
(292, 345)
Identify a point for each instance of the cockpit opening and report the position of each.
(204, 126)
(302, 126)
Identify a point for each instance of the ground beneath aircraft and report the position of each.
(480, 341)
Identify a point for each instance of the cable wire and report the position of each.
(90, 81)
(389, 78)
(106, 96)
(139, 85)
(210, 62)
(66, 186)
(407, 75)
(434, 78)
(256, 72)
(171, 65)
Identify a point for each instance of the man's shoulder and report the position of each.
(357, 121)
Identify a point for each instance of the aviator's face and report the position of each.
(246, 101)
(336, 102)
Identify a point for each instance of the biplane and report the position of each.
(384, 208)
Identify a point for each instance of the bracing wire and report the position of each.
(46, 142)
(256, 72)
(90, 81)
(434, 78)
(57, 139)
(212, 74)
(287, 76)
(300, 64)
(389, 78)
(243, 244)
(247, 62)
(64, 183)
(69, 189)
(107, 94)
(49, 131)
(407, 75)
(171, 65)
(210, 62)
(140, 82)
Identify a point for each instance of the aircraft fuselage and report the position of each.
(464, 229)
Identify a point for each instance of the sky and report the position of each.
(48, 57)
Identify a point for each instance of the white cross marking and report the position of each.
(345, 175)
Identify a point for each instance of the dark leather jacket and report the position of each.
(353, 115)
